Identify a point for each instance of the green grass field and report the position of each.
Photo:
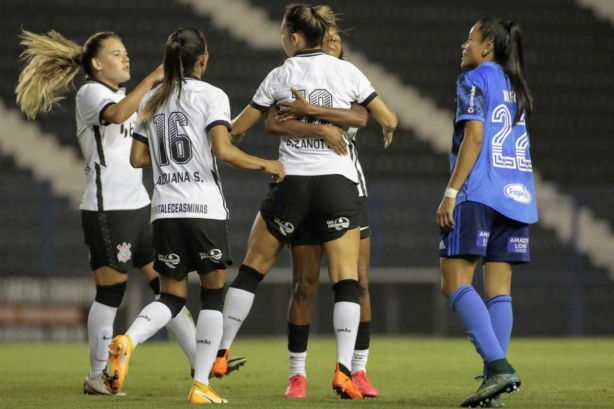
(409, 372)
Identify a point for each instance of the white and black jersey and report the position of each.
(186, 179)
(325, 81)
(362, 183)
(112, 184)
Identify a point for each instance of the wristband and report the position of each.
(451, 193)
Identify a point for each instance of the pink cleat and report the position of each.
(297, 387)
(361, 380)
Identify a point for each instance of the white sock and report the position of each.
(346, 317)
(100, 332)
(149, 321)
(297, 363)
(236, 308)
(359, 360)
(183, 328)
(208, 336)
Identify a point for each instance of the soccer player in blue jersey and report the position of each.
(489, 201)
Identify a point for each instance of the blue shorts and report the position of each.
(482, 231)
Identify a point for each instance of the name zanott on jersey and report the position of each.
(179, 208)
(307, 144)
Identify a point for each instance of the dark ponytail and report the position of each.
(509, 54)
(182, 50)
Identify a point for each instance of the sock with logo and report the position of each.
(239, 300)
(100, 332)
(100, 323)
(298, 335)
(501, 318)
(346, 316)
(472, 313)
(208, 332)
(183, 328)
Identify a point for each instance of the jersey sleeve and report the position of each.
(263, 98)
(218, 112)
(363, 90)
(470, 101)
(140, 128)
(93, 101)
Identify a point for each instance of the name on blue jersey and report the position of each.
(509, 96)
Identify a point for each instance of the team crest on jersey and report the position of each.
(285, 228)
(124, 254)
(214, 255)
(171, 260)
(338, 224)
(518, 192)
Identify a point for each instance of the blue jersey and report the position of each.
(502, 176)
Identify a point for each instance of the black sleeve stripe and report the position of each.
(219, 122)
(260, 108)
(101, 117)
(369, 99)
(140, 138)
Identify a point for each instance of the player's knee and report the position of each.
(173, 302)
(247, 279)
(305, 290)
(111, 295)
(212, 299)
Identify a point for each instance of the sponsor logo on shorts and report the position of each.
(124, 253)
(518, 192)
(214, 255)
(338, 224)
(518, 244)
(170, 260)
(482, 239)
(285, 228)
(442, 245)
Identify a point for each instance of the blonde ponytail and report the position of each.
(52, 62)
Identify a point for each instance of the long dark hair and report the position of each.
(183, 49)
(509, 54)
(311, 22)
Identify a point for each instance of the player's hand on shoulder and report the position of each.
(275, 169)
(158, 74)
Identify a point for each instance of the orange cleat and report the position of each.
(114, 374)
(343, 385)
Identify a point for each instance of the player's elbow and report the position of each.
(390, 121)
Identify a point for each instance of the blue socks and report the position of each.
(473, 314)
(502, 318)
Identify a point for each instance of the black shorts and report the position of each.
(190, 244)
(307, 236)
(119, 239)
(328, 204)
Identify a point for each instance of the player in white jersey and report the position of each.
(115, 207)
(182, 131)
(320, 188)
(307, 250)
